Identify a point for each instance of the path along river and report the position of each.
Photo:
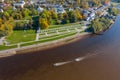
(96, 57)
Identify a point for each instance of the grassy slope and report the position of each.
(21, 36)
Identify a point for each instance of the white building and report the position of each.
(1, 10)
(70, 9)
(19, 4)
(39, 9)
(59, 9)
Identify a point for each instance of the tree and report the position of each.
(6, 14)
(113, 11)
(60, 16)
(34, 12)
(96, 25)
(96, 2)
(78, 2)
(43, 23)
(78, 15)
(17, 15)
(26, 12)
(72, 16)
(46, 15)
(54, 15)
(7, 26)
(85, 4)
(65, 18)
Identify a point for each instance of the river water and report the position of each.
(96, 57)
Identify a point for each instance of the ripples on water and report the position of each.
(96, 52)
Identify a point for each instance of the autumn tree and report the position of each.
(54, 15)
(43, 23)
(46, 15)
(78, 15)
(84, 4)
(7, 26)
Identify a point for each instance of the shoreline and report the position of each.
(43, 46)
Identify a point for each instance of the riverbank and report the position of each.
(43, 46)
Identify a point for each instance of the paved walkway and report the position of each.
(1, 40)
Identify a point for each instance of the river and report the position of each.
(95, 57)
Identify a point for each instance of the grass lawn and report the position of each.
(30, 35)
(63, 25)
(7, 47)
(40, 41)
(21, 36)
(50, 39)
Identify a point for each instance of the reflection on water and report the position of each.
(94, 58)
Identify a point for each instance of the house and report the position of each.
(1, 10)
(40, 9)
(59, 9)
(42, 3)
(70, 9)
(90, 16)
(19, 4)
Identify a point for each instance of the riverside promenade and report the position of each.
(42, 46)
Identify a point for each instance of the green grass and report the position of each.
(21, 36)
(50, 38)
(30, 35)
(47, 39)
(7, 47)
(63, 25)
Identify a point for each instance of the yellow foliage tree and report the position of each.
(78, 14)
(43, 23)
(7, 26)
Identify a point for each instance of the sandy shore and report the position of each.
(42, 46)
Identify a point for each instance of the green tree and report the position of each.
(34, 12)
(72, 16)
(65, 18)
(6, 14)
(26, 13)
(96, 25)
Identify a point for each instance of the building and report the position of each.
(40, 9)
(1, 10)
(19, 4)
(59, 9)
